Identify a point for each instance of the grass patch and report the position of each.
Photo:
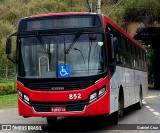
(8, 101)
(7, 83)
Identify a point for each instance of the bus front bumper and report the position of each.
(98, 107)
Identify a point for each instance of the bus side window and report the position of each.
(115, 48)
(110, 49)
(118, 45)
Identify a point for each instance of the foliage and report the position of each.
(140, 10)
(7, 88)
(150, 59)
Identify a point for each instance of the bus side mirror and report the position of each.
(8, 46)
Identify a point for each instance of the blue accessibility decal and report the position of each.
(64, 70)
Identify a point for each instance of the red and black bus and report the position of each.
(76, 64)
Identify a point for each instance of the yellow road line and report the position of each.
(152, 96)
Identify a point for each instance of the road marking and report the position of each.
(156, 113)
(148, 107)
(152, 110)
(151, 97)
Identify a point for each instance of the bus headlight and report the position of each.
(101, 91)
(26, 98)
(23, 96)
(20, 94)
(93, 97)
(97, 94)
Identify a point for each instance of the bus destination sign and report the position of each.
(58, 23)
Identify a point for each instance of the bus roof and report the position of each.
(58, 14)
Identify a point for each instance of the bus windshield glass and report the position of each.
(56, 56)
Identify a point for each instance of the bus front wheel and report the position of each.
(115, 116)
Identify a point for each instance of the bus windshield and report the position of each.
(64, 55)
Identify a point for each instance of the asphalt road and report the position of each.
(132, 121)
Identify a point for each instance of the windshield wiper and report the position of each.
(42, 42)
(73, 42)
(46, 50)
(82, 56)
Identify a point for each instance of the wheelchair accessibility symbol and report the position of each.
(63, 70)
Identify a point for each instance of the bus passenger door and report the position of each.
(112, 69)
(111, 54)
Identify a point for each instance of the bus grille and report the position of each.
(46, 107)
(48, 86)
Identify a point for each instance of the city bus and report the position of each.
(73, 64)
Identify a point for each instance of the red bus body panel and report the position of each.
(58, 14)
(99, 106)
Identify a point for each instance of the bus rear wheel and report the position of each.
(52, 121)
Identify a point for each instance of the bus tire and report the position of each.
(121, 106)
(52, 121)
(139, 104)
(121, 102)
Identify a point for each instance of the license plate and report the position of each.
(58, 109)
